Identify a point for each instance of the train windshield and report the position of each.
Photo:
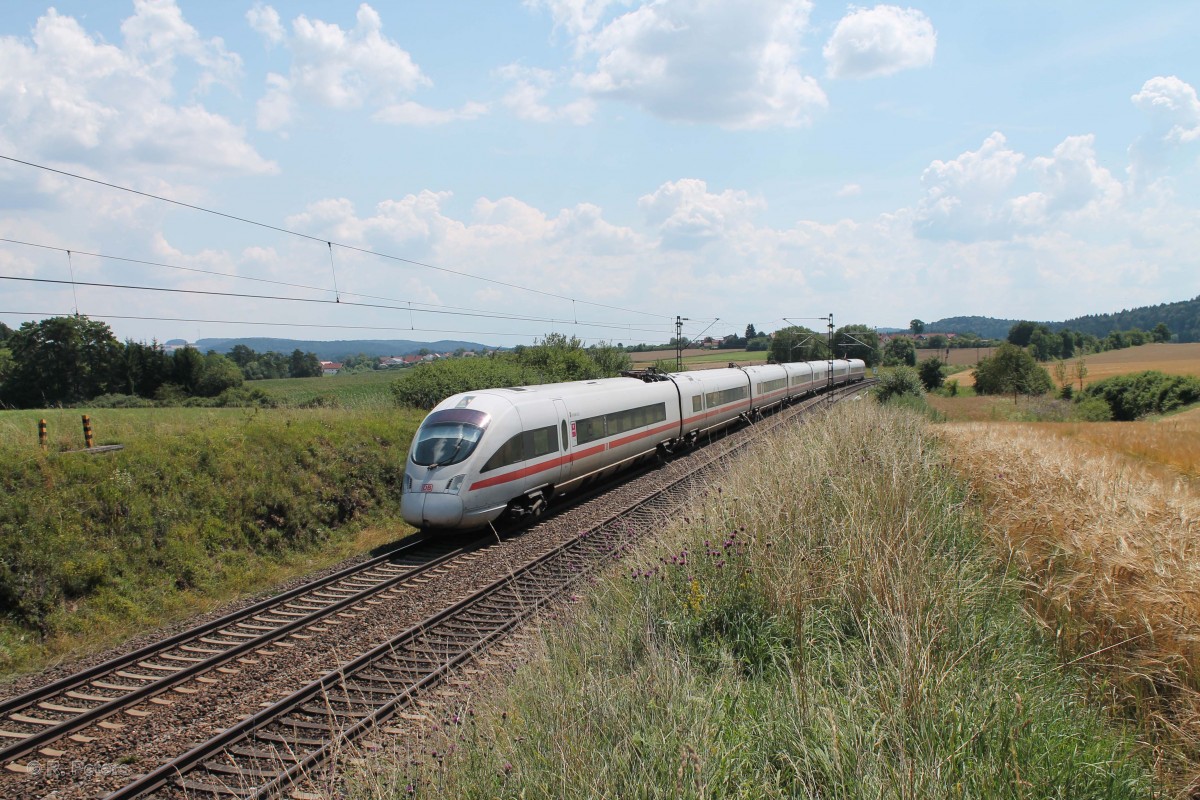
(448, 437)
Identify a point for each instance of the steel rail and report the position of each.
(595, 539)
(41, 738)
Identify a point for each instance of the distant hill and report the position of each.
(332, 351)
(1183, 318)
(987, 327)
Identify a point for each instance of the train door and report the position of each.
(564, 440)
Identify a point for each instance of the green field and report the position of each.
(360, 390)
(202, 505)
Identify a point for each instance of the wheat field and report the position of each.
(1173, 359)
(1103, 524)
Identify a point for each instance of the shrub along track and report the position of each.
(454, 604)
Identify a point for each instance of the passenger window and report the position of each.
(697, 403)
(510, 453)
(564, 435)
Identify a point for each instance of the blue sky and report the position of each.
(744, 162)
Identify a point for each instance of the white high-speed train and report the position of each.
(480, 455)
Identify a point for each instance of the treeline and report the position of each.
(1183, 318)
(1046, 345)
(555, 358)
(70, 360)
(261, 366)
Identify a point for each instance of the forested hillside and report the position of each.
(1182, 318)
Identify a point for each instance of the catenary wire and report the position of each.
(416, 305)
(285, 324)
(353, 248)
(316, 300)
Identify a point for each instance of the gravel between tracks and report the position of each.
(159, 731)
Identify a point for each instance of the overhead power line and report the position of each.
(327, 242)
(285, 324)
(319, 301)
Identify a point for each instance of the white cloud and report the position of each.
(345, 69)
(410, 113)
(731, 64)
(68, 96)
(1173, 112)
(527, 97)
(968, 197)
(849, 190)
(686, 214)
(879, 41)
(1073, 183)
(265, 20)
(574, 16)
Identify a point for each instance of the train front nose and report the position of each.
(431, 509)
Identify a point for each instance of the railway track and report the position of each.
(32, 721)
(269, 752)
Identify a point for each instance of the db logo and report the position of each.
(426, 487)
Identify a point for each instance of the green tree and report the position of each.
(5, 332)
(186, 367)
(798, 343)
(1044, 345)
(937, 341)
(751, 333)
(61, 360)
(611, 360)
(857, 341)
(242, 355)
(147, 367)
(217, 373)
(304, 365)
(916, 326)
(900, 351)
(1161, 333)
(1066, 344)
(1011, 370)
(930, 372)
(899, 382)
(1020, 333)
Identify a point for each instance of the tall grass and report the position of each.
(824, 625)
(200, 505)
(1110, 555)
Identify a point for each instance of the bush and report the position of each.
(1092, 409)
(899, 382)
(931, 373)
(1011, 370)
(1142, 393)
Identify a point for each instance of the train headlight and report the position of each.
(455, 484)
(407, 482)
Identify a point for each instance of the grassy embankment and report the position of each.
(202, 505)
(828, 623)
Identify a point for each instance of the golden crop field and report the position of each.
(1173, 359)
(1104, 527)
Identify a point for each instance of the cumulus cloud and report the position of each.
(1073, 182)
(1173, 112)
(687, 215)
(880, 41)
(66, 94)
(527, 98)
(968, 197)
(731, 64)
(345, 69)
